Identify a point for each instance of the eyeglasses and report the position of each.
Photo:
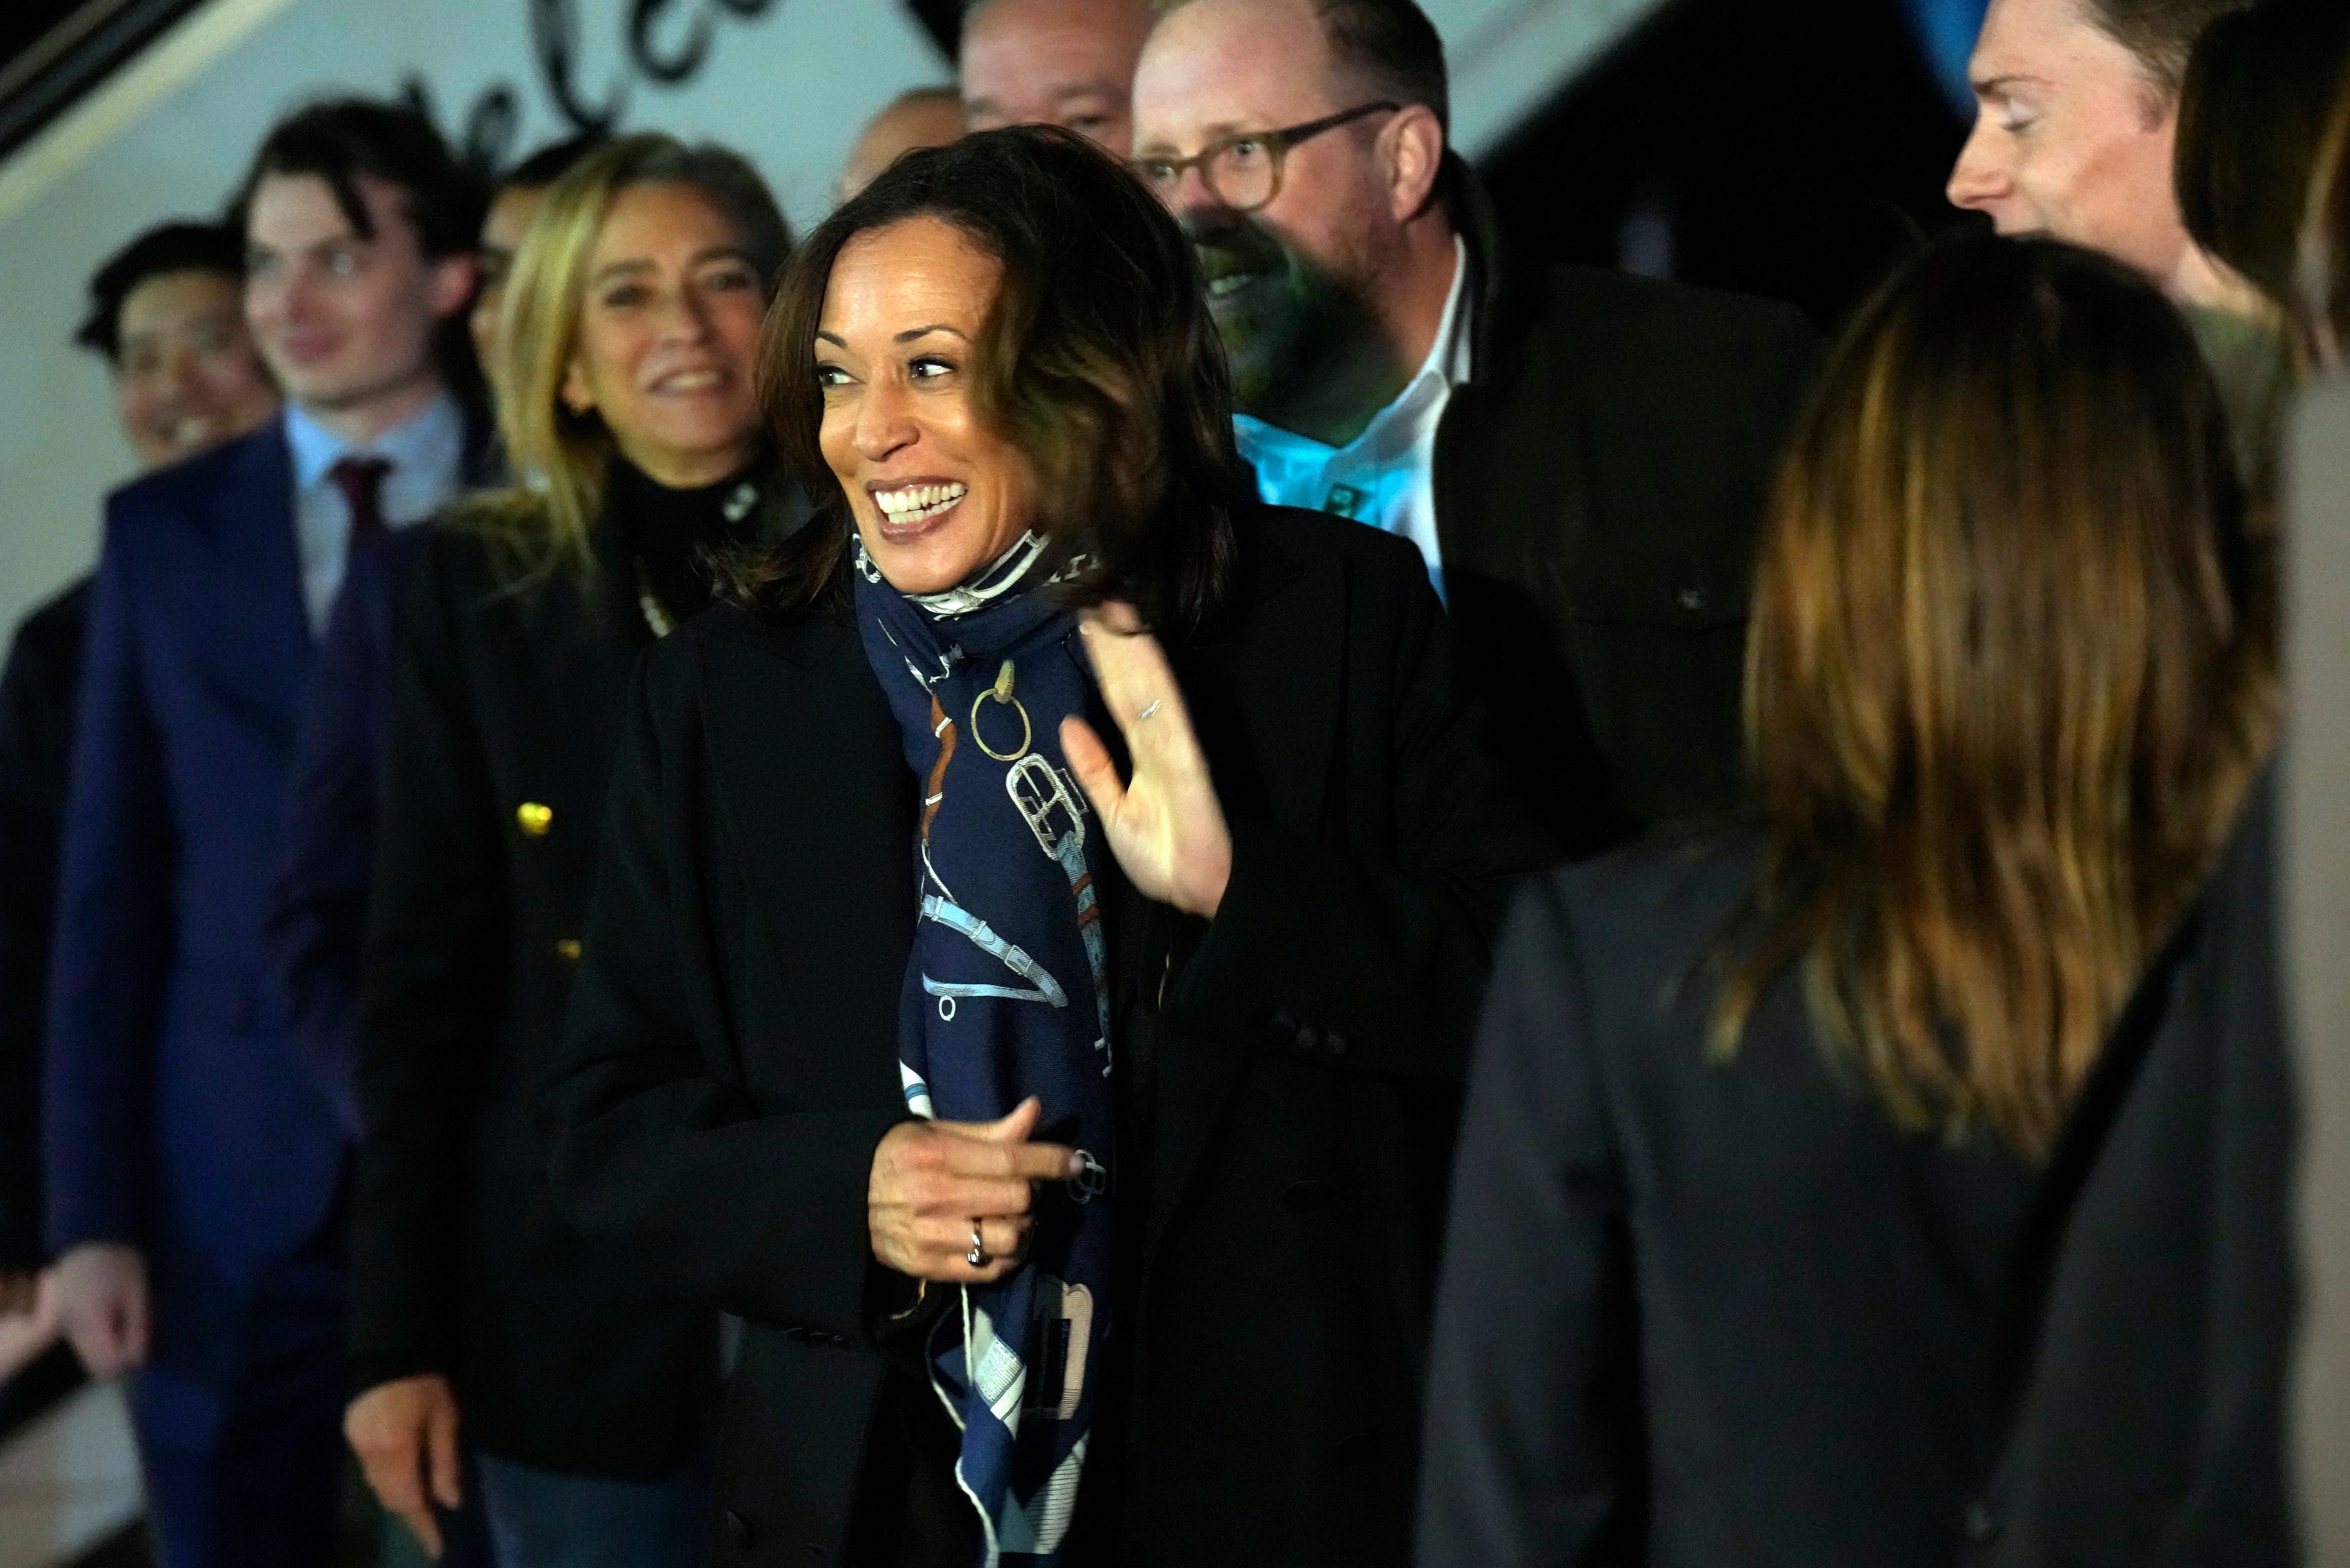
(1243, 173)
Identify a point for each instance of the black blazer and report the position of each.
(506, 711)
(731, 1052)
(1698, 1315)
(1599, 481)
(2154, 1308)
(37, 731)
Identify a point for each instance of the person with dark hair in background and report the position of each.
(1068, 63)
(515, 198)
(167, 315)
(1580, 457)
(1758, 1114)
(2322, 299)
(2254, 106)
(919, 117)
(2076, 128)
(1067, 1124)
(193, 1168)
(2253, 111)
(626, 366)
(318, 904)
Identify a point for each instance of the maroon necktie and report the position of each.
(360, 479)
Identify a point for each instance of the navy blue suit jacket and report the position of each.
(176, 1118)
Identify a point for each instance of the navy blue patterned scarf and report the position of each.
(1006, 995)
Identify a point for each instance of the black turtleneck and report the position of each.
(666, 533)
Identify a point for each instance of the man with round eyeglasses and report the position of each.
(1581, 457)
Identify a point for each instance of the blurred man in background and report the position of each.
(319, 908)
(920, 117)
(514, 203)
(167, 315)
(1581, 456)
(315, 932)
(2076, 130)
(193, 1171)
(1054, 62)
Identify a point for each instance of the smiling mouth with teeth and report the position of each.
(1229, 283)
(916, 501)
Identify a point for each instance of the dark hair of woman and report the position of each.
(2003, 693)
(1099, 362)
(2251, 116)
(2324, 291)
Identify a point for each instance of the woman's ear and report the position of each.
(577, 395)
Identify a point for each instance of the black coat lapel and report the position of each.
(814, 784)
(584, 636)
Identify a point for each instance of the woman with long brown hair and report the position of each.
(1757, 1114)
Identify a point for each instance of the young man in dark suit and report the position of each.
(167, 315)
(192, 1168)
(1581, 457)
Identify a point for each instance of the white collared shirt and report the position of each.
(1385, 477)
(427, 454)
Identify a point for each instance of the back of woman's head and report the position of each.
(2252, 112)
(2325, 293)
(2000, 700)
(559, 456)
(1098, 363)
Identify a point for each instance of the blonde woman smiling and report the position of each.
(626, 355)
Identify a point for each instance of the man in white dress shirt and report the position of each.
(1581, 457)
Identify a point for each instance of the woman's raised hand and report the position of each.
(1165, 824)
(934, 1183)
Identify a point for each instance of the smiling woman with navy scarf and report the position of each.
(1039, 927)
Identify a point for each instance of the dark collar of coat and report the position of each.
(1510, 288)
